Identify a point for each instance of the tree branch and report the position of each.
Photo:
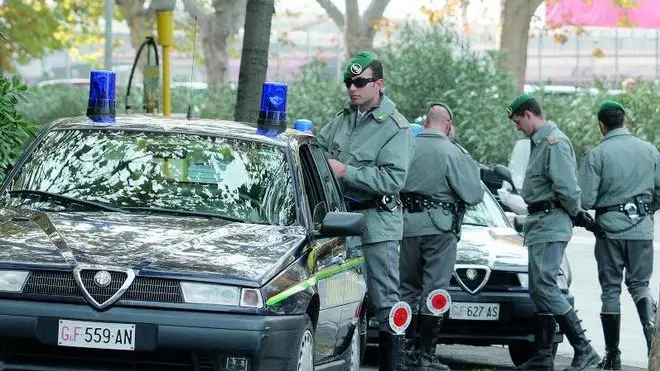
(374, 11)
(193, 9)
(333, 12)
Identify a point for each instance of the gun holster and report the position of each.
(457, 223)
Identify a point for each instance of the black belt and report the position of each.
(544, 206)
(621, 208)
(374, 203)
(416, 203)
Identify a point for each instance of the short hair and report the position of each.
(531, 105)
(612, 118)
(377, 69)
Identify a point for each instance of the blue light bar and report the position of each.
(272, 112)
(304, 125)
(101, 103)
(416, 128)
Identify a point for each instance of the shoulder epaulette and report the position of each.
(552, 139)
(400, 120)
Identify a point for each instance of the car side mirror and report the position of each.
(341, 224)
(519, 223)
(504, 173)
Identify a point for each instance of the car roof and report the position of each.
(220, 128)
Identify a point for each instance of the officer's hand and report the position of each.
(585, 220)
(337, 168)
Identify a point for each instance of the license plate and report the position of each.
(98, 335)
(475, 311)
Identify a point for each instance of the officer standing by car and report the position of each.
(369, 145)
(552, 194)
(434, 204)
(620, 179)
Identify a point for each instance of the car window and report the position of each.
(518, 162)
(314, 190)
(333, 195)
(242, 179)
(486, 213)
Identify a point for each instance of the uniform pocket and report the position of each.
(441, 221)
(364, 155)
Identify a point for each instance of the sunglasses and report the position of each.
(359, 82)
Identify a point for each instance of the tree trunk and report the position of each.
(358, 31)
(254, 59)
(140, 23)
(218, 29)
(516, 16)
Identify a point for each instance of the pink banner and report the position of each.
(603, 13)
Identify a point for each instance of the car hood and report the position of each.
(498, 248)
(210, 248)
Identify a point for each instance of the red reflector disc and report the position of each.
(400, 317)
(439, 302)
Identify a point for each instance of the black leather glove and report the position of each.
(585, 220)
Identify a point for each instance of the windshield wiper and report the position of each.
(182, 212)
(476, 224)
(66, 199)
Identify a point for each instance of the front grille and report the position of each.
(498, 281)
(62, 284)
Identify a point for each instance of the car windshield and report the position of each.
(160, 172)
(487, 213)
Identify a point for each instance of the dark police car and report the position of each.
(151, 243)
(490, 303)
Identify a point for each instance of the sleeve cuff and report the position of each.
(351, 173)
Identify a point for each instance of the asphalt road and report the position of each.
(586, 290)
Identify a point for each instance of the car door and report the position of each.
(348, 279)
(326, 254)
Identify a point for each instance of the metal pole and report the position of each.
(108, 35)
(657, 54)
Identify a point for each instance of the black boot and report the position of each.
(544, 336)
(390, 349)
(646, 310)
(611, 329)
(412, 347)
(584, 355)
(429, 330)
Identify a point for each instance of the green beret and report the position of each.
(443, 105)
(358, 63)
(517, 103)
(610, 105)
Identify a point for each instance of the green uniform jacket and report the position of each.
(442, 171)
(377, 152)
(614, 172)
(551, 176)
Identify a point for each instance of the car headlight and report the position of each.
(524, 280)
(206, 293)
(13, 281)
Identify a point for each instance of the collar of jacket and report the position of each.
(380, 112)
(433, 132)
(543, 132)
(615, 133)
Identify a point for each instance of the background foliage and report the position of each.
(423, 64)
(15, 129)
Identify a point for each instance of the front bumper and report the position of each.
(164, 339)
(515, 323)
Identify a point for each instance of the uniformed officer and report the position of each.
(620, 178)
(442, 179)
(552, 195)
(369, 145)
